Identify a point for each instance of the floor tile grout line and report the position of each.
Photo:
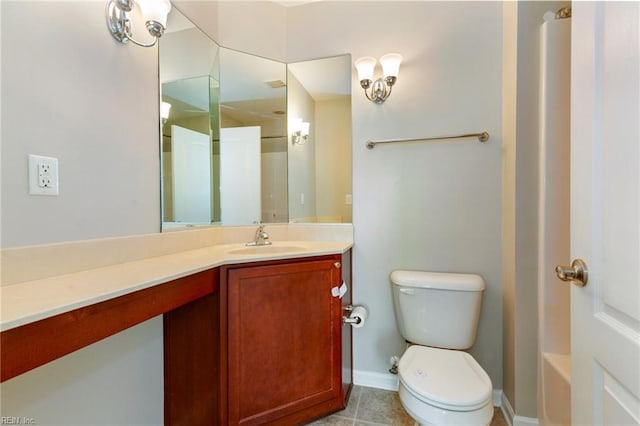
(355, 413)
(367, 422)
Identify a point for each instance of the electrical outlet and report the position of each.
(43, 175)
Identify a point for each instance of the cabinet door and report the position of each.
(284, 331)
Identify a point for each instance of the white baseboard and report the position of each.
(507, 409)
(388, 381)
(514, 420)
(370, 379)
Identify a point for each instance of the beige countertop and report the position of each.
(33, 300)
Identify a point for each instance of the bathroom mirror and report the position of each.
(228, 155)
(319, 94)
(253, 139)
(189, 80)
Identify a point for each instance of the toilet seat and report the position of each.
(445, 378)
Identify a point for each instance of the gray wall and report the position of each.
(70, 91)
(423, 206)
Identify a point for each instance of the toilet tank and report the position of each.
(437, 309)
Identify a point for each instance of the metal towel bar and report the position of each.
(482, 137)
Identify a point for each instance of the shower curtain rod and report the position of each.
(482, 137)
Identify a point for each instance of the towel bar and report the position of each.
(482, 137)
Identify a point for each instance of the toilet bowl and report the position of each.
(437, 314)
(444, 387)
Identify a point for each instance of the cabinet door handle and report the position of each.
(337, 265)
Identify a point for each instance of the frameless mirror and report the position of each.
(319, 108)
(232, 150)
(253, 139)
(189, 78)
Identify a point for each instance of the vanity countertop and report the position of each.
(33, 300)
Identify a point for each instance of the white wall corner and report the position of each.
(513, 419)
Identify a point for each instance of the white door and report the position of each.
(191, 164)
(605, 212)
(240, 190)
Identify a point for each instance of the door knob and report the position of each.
(577, 273)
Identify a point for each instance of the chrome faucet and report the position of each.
(260, 238)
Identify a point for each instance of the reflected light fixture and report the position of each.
(153, 12)
(165, 107)
(300, 131)
(379, 90)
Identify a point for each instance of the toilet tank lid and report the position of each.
(438, 280)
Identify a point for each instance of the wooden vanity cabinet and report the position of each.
(268, 347)
(191, 363)
(282, 353)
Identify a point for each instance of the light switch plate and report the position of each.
(348, 199)
(43, 175)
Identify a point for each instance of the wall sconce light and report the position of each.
(300, 131)
(165, 107)
(381, 88)
(154, 13)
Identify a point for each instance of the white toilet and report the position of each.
(437, 313)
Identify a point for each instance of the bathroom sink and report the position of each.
(271, 249)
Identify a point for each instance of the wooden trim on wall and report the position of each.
(32, 345)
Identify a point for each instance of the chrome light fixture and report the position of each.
(154, 13)
(380, 89)
(300, 131)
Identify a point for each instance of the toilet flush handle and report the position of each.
(408, 291)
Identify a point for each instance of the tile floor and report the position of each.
(369, 406)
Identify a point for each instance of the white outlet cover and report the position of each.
(34, 162)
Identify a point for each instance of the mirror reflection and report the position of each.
(253, 139)
(247, 138)
(319, 94)
(190, 87)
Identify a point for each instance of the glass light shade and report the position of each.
(296, 125)
(391, 64)
(365, 67)
(155, 10)
(165, 107)
(304, 128)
